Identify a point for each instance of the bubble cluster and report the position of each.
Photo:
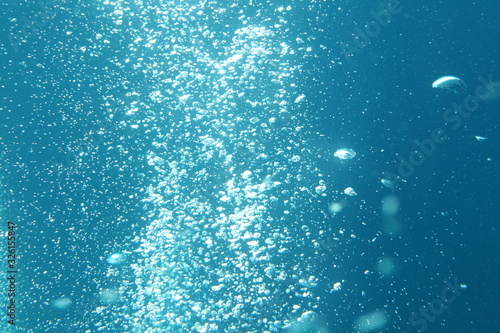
(230, 170)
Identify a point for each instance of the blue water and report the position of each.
(113, 145)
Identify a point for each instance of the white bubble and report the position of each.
(345, 153)
(337, 286)
(350, 192)
(451, 83)
(320, 189)
(247, 174)
(183, 99)
(300, 98)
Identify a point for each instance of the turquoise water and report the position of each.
(171, 167)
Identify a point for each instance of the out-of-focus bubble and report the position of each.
(392, 226)
(386, 266)
(336, 207)
(116, 258)
(390, 206)
(371, 322)
(108, 296)
(63, 303)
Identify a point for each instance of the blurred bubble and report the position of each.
(390, 206)
(387, 183)
(108, 296)
(63, 303)
(336, 207)
(386, 266)
(371, 322)
(116, 258)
